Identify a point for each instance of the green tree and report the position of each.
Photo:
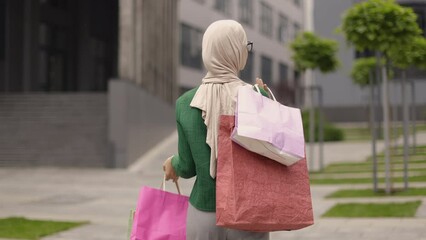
(403, 57)
(411, 54)
(380, 25)
(313, 52)
(362, 71)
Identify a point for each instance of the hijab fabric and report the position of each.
(224, 52)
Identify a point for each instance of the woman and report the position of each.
(224, 51)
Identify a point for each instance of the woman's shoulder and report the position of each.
(186, 97)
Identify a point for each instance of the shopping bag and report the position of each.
(266, 127)
(130, 223)
(160, 215)
(254, 193)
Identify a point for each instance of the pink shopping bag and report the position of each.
(266, 127)
(159, 215)
(255, 193)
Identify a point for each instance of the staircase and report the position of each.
(53, 129)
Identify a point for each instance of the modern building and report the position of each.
(93, 82)
(269, 24)
(85, 82)
(343, 100)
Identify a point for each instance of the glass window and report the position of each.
(223, 6)
(282, 28)
(247, 73)
(296, 75)
(296, 29)
(2, 29)
(266, 70)
(52, 58)
(59, 4)
(283, 73)
(191, 47)
(266, 19)
(297, 2)
(246, 11)
(421, 20)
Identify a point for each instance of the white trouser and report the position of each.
(201, 225)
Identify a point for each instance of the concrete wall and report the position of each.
(339, 91)
(137, 121)
(338, 87)
(148, 44)
(54, 129)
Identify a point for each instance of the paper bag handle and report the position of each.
(269, 90)
(163, 185)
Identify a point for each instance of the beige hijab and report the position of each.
(224, 52)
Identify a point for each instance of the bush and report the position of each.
(331, 132)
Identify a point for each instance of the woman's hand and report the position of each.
(260, 83)
(169, 171)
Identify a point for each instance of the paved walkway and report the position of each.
(104, 197)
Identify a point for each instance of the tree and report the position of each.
(313, 52)
(361, 71)
(403, 57)
(380, 25)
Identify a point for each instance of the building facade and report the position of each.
(270, 24)
(93, 82)
(344, 101)
(85, 82)
(57, 45)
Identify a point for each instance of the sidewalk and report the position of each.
(104, 197)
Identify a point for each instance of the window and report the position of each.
(296, 76)
(297, 2)
(296, 29)
(283, 73)
(246, 11)
(191, 47)
(421, 20)
(2, 29)
(223, 6)
(247, 73)
(364, 54)
(282, 28)
(266, 70)
(58, 4)
(52, 57)
(266, 19)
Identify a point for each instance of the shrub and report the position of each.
(331, 132)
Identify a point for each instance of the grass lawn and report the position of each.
(364, 133)
(412, 166)
(421, 178)
(361, 193)
(372, 210)
(416, 168)
(22, 228)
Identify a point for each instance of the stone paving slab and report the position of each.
(394, 174)
(355, 229)
(105, 196)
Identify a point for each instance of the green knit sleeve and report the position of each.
(262, 91)
(183, 163)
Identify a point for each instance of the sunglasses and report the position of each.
(249, 46)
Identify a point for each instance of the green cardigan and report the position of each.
(194, 153)
(193, 158)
